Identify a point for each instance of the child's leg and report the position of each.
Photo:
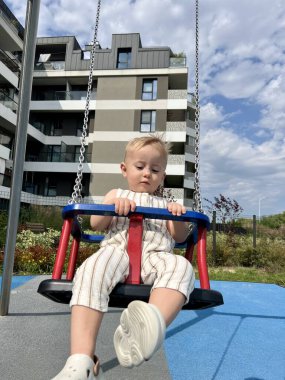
(142, 327)
(168, 301)
(93, 282)
(85, 324)
(173, 281)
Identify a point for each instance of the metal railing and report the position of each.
(74, 95)
(9, 16)
(190, 149)
(191, 98)
(50, 65)
(57, 157)
(177, 62)
(8, 102)
(12, 63)
(62, 95)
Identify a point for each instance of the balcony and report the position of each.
(177, 94)
(191, 98)
(190, 124)
(189, 180)
(74, 95)
(176, 126)
(14, 23)
(57, 157)
(63, 95)
(177, 193)
(190, 149)
(12, 63)
(8, 102)
(177, 62)
(176, 159)
(50, 65)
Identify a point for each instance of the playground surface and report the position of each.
(242, 340)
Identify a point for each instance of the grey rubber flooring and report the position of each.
(34, 341)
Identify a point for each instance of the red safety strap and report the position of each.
(135, 248)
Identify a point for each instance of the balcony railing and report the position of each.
(176, 159)
(191, 98)
(8, 15)
(177, 94)
(176, 126)
(177, 193)
(190, 124)
(12, 63)
(62, 95)
(177, 62)
(74, 95)
(57, 157)
(50, 65)
(190, 149)
(8, 102)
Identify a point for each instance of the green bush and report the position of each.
(49, 216)
(35, 253)
(238, 250)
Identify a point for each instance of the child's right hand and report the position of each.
(124, 205)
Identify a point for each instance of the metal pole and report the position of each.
(254, 231)
(214, 229)
(31, 26)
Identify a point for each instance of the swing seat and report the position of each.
(60, 290)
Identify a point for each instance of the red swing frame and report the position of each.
(60, 290)
(134, 252)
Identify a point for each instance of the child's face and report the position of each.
(144, 169)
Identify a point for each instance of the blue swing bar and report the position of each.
(60, 290)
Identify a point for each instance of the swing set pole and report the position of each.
(31, 26)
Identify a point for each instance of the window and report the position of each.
(149, 90)
(53, 153)
(148, 119)
(50, 187)
(77, 153)
(124, 58)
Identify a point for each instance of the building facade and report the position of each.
(11, 46)
(136, 91)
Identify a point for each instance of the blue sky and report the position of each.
(242, 80)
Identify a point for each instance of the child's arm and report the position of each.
(178, 230)
(122, 207)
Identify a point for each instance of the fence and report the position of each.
(247, 227)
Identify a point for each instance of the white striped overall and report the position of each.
(101, 272)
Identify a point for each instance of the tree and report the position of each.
(227, 209)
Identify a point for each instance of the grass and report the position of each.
(246, 275)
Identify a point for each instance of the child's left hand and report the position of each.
(176, 208)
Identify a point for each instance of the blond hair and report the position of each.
(139, 142)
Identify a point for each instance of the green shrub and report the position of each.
(27, 239)
(238, 251)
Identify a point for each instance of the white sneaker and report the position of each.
(140, 333)
(80, 367)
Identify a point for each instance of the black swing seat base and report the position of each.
(61, 290)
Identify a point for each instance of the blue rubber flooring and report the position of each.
(18, 280)
(242, 340)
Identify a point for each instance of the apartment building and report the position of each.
(136, 91)
(11, 46)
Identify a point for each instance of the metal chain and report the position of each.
(197, 203)
(76, 196)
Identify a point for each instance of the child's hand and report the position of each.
(123, 206)
(176, 208)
